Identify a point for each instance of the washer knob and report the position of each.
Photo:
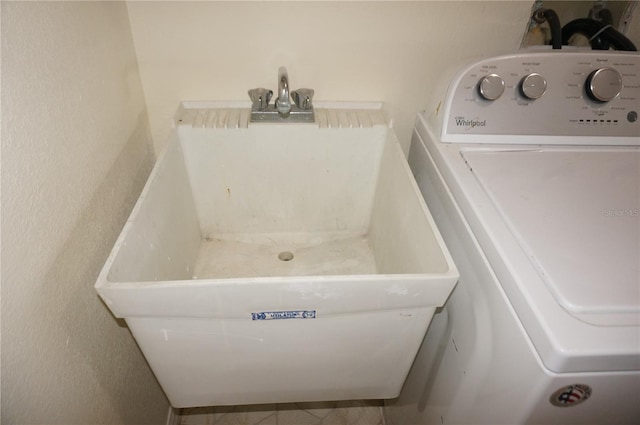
(533, 86)
(491, 87)
(603, 84)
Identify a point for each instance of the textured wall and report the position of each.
(76, 151)
(364, 51)
(633, 30)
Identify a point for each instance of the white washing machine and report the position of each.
(531, 168)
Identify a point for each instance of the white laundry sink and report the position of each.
(241, 226)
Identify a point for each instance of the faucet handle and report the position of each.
(303, 98)
(260, 98)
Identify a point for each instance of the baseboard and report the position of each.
(173, 417)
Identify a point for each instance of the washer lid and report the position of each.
(576, 214)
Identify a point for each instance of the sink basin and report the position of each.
(269, 263)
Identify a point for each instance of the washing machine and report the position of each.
(530, 165)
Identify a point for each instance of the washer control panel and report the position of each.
(589, 94)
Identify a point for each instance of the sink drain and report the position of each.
(285, 256)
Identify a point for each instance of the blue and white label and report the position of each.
(277, 315)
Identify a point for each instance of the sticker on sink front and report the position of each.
(290, 314)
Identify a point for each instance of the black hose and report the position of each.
(605, 16)
(551, 17)
(599, 35)
(602, 15)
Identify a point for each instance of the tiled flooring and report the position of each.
(326, 413)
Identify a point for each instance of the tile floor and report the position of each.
(367, 412)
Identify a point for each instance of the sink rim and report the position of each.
(109, 288)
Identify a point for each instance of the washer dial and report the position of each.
(491, 87)
(603, 84)
(533, 86)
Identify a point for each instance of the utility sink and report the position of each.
(284, 262)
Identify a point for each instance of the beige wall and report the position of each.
(633, 30)
(362, 51)
(75, 152)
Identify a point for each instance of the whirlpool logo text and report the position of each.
(469, 124)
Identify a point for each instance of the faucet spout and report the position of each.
(283, 104)
(291, 106)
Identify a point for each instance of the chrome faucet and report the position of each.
(283, 104)
(282, 110)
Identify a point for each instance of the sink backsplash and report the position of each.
(236, 115)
